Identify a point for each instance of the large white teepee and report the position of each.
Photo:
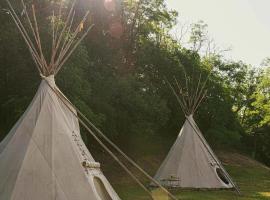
(43, 157)
(190, 162)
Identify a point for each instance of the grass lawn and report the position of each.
(252, 177)
(254, 183)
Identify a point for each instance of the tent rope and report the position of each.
(65, 100)
(99, 141)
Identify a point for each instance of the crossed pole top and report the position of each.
(65, 35)
(191, 94)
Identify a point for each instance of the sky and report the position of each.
(242, 25)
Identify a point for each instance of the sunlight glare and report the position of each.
(265, 194)
(158, 194)
(109, 5)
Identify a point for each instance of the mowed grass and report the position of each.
(253, 181)
(252, 177)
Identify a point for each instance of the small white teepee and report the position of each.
(43, 157)
(191, 163)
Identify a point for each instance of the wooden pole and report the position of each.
(39, 42)
(73, 49)
(59, 40)
(184, 101)
(64, 52)
(178, 99)
(24, 34)
(196, 93)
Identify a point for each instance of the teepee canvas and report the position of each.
(43, 157)
(191, 163)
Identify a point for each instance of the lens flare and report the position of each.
(110, 5)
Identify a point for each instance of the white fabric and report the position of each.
(190, 162)
(42, 156)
